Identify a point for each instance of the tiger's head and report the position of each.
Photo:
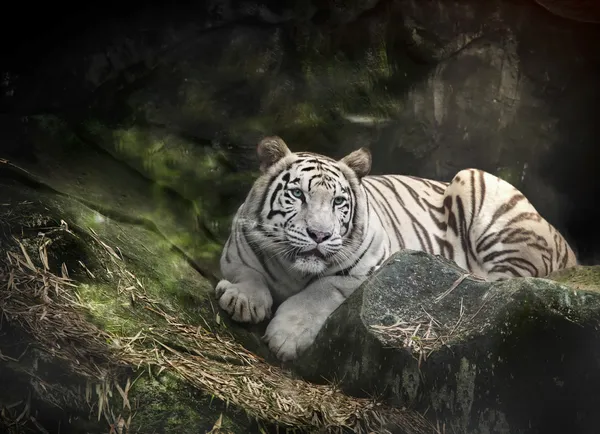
(309, 209)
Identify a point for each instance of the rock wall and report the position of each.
(429, 87)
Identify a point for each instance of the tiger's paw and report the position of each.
(290, 333)
(245, 301)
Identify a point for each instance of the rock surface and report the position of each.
(65, 343)
(519, 356)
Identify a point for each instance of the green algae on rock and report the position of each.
(581, 277)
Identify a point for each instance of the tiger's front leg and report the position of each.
(299, 318)
(246, 300)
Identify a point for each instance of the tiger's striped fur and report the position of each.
(312, 229)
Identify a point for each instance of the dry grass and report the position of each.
(424, 334)
(47, 306)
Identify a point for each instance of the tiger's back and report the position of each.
(481, 222)
(408, 209)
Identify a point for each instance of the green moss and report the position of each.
(163, 272)
(174, 164)
(166, 404)
(580, 278)
(535, 295)
(162, 156)
(110, 312)
(204, 187)
(306, 115)
(352, 85)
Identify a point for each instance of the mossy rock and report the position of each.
(478, 355)
(64, 238)
(585, 278)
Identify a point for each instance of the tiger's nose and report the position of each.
(318, 236)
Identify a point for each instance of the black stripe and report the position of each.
(464, 234)
(412, 192)
(387, 208)
(422, 236)
(503, 209)
(482, 191)
(496, 254)
(348, 270)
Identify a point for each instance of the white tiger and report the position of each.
(312, 229)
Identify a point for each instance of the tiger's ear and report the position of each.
(270, 150)
(359, 161)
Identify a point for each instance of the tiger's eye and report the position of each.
(296, 192)
(339, 200)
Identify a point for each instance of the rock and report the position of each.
(505, 357)
(581, 277)
(76, 287)
(64, 162)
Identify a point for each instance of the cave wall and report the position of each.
(429, 86)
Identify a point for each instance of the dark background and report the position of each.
(46, 52)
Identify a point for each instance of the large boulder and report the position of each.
(521, 355)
